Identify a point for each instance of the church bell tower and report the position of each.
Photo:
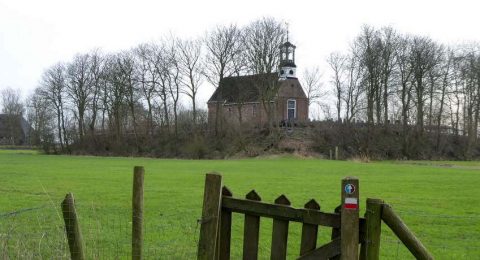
(287, 68)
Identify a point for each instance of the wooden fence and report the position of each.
(352, 237)
(349, 231)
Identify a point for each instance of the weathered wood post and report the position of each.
(72, 227)
(373, 214)
(409, 239)
(349, 230)
(137, 212)
(212, 203)
(336, 153)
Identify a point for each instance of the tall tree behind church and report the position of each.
(223, 56)
(262, 39)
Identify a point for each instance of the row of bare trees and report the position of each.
(387, 78)
(147, 91)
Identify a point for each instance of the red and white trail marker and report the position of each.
(351, 203)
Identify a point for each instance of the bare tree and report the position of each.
(224, 46)
(52, 89)
(11, 102)
(369, 46)
(97, 73)
(13, 108)
(337, 63)
(404, 71)
(162, 63)
(389, 39)
(353, 88)
(191, 67)
(262, 39)
(312, 84)
(146, 79)
(80, 88)
(174, 80)
(445, 74)
(39, 116)
(423, 57)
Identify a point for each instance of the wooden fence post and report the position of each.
(137, 212)
(212, 203)
(72, 227)
(349, 230)
(373, 214)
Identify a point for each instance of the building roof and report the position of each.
(6, 120)
(243, 89)
(288, 44)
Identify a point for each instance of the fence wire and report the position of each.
(39, 233)
(445, 236)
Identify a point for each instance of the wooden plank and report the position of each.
(280, 233)
(371, 246)
(309, 231)
(210, 217)
(225, 237)
(137, 212)
(251, 232)
(404, 234)
(72, 228)
(349, 230)
(281, 212)
(336, 232)
(325, 252)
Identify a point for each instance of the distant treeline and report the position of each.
(135, 101)
(425, 88)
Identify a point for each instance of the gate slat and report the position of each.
(280, 233)
(336, 231)
(225, 229)
(309, 232)
(251, 231)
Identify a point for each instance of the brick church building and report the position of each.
(262, 98)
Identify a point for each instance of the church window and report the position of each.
(291, 109)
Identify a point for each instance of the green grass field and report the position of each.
(439, 201)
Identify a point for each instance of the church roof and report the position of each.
(243, 89)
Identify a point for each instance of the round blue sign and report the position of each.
(349, 188)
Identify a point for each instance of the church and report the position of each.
(258, 99)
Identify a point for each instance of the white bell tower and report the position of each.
(287, 68)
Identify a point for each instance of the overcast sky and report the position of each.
(38, 33)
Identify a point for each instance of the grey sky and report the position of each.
(37, 34)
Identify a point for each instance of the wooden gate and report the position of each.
(348, 229)
(218, 206)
